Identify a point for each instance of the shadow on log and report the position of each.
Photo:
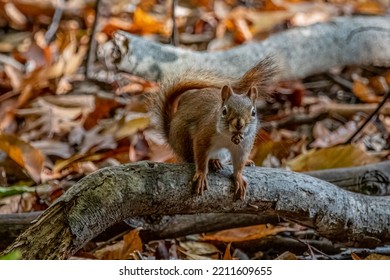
(113, 194)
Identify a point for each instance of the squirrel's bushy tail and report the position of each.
(164, 103)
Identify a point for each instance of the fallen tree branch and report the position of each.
(113, 194)
(299, 51)
(372, 179)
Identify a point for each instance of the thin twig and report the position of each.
(175, 33)
(51, 32)
(374, 113)
(345, 83)
(92, 42)
(8, 95)
(5, 59)
(312, 248)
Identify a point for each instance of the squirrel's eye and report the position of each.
(253, 112)
(224, 111)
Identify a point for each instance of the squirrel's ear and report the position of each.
(226, 91)
(252, 94)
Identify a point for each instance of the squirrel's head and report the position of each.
(238, 116)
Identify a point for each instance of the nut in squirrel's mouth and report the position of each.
(237, 137)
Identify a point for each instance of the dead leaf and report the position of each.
(227, 255)
(324, 138)
(199, 250)
(364, 93)
(132, 124)
(23, 154)
(123, 249)
(370, 7)
(334, 157)
(377, 257)
(245, 233)
(132, 242)
(287, 256)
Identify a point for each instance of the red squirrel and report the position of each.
(208, 119)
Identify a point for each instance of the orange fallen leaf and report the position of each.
(364, 93)
(23, 154)
(245, 233)
(227, 255)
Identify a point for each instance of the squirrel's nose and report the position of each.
(239, 126)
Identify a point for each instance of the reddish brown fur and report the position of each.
(188, 115)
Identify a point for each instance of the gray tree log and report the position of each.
(113, 194)
(300, 52)
(373, 179)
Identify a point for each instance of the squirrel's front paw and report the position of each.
(240, 184)
(201, 183)
(215, 164)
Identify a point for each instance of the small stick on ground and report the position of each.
(374, 113)
(92, 42)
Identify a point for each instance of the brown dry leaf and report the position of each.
(103, 107)
(110, 252)
(11, 41)
(58, 114)
(334, 157)
(51, 147)
(266, 21)
(131, 125)
(324, 138)
(23, 154)
(227, 255)
(287, 256)
(199, 250)
(15, 76)
(132, 242)
(377, 257)
(17, 19)
(364, 93)
(379, 85)
(123, 249)
(245, 233)
(370, 7)
(73, 58)
(145, 23)
(62, 164)
(280, 149)
(18, 203)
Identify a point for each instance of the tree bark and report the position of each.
(372, 179)
(113, 194)
(299, 52)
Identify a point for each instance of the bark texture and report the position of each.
(113, 194)
(300, 52)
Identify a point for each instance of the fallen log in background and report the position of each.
(113, 194)
(300, 52)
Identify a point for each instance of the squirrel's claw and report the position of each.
(215, 164)
(250, 163)
(240, 184)
(201, 183)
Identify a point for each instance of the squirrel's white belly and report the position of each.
(222, 147)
